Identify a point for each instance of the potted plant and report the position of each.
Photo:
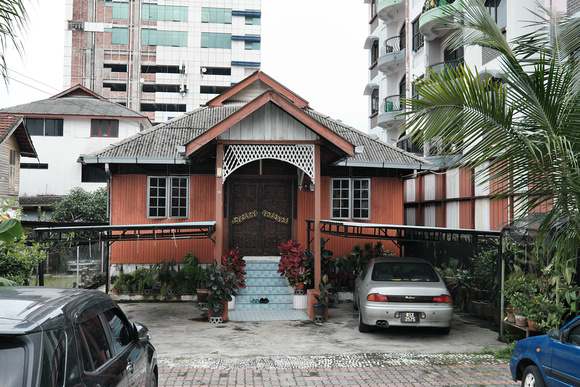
(292, 260)
(234, 262)
(221, 286)
(323, 298)
(302, 278)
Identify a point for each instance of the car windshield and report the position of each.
(404, 271)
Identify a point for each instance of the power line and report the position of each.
(32, 79)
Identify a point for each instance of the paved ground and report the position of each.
(193, 352)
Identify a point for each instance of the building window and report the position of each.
(33, 166)
(497, 9)
(216, 15)
(216, 70)
(168, 196)
(150, 37)
(44, 127)
(252, 20)
(120, 10)
(373, 9)
(374, 52)
(418, 39)
(252, 45)
(350, 198)
(93, 174)
(12, 172)
(216, 40)
(375, 101)
(154, 12)
(212, 89)
(104, 128)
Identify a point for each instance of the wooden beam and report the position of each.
(219, 203)
(317, 205)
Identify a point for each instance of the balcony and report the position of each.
(449, 66)
(390, 10)
(391, 106)
(430, 24)
(392, 55)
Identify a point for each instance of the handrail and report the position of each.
(430, 4)
(394, 44)
(446, 65)
(393, 103)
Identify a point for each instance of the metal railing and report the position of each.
(450, 66)
(430, 4)
(393, 44)
(393, 103)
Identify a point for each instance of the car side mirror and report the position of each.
(142, 332)
(555, 334)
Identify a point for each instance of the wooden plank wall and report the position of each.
(130, 207)
(6, 190)
(386, 208)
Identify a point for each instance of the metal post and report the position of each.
(78, 264)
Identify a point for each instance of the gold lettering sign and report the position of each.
(275, 217)
(242, 218)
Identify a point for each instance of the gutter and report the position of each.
(132, 160)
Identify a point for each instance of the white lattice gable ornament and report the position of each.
(299, 155)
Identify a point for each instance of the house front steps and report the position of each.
(264, 282)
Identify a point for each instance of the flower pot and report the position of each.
(202, 296)
(511, 318)
(214, 317)
(299, 285)
(521, 321)
(319, 312)
(476, 307)
(232, 303)
(532, 325)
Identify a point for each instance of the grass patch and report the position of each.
(61, 281)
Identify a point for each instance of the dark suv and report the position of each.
(71, 337)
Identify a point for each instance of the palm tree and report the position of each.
(13, 19)
(526, 124)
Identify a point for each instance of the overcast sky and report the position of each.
(313, 47)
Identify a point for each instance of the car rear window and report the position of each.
(12, 362)
(404, 271)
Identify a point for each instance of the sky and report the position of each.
(313, 47)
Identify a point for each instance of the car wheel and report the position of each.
(444, 331)
(362, 327)
(153, 381)
(532, 377)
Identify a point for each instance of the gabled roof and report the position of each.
(14, 125)
(257, 80)
(76, 101)
(165, 142)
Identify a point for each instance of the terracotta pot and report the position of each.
(532, 325)
(299, 285)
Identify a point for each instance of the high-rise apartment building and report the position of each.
(161, 57)
(405, 42)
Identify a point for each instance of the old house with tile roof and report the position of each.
(257, 161)
(64, 126)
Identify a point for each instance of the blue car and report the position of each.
(549, 360)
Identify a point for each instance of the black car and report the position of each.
(71, 337)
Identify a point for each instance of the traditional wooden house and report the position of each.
(14, 143)
(257, 161)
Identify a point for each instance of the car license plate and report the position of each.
(409, 317)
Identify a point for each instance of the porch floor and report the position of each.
(267, 315)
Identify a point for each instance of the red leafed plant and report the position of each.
(233, 261)
(292, 261)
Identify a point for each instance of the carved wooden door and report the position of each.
(260, 215)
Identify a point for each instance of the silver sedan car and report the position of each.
(399, 291)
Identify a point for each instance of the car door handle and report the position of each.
(130, 367)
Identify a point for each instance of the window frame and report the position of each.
(167, 199)
(58, 128)
(109, 128)
(417, 39)
(351, 198)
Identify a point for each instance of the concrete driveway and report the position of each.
(181, 331)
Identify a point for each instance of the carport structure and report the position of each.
(404, 235)
(86, 235)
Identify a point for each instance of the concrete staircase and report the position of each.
(264, 281)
